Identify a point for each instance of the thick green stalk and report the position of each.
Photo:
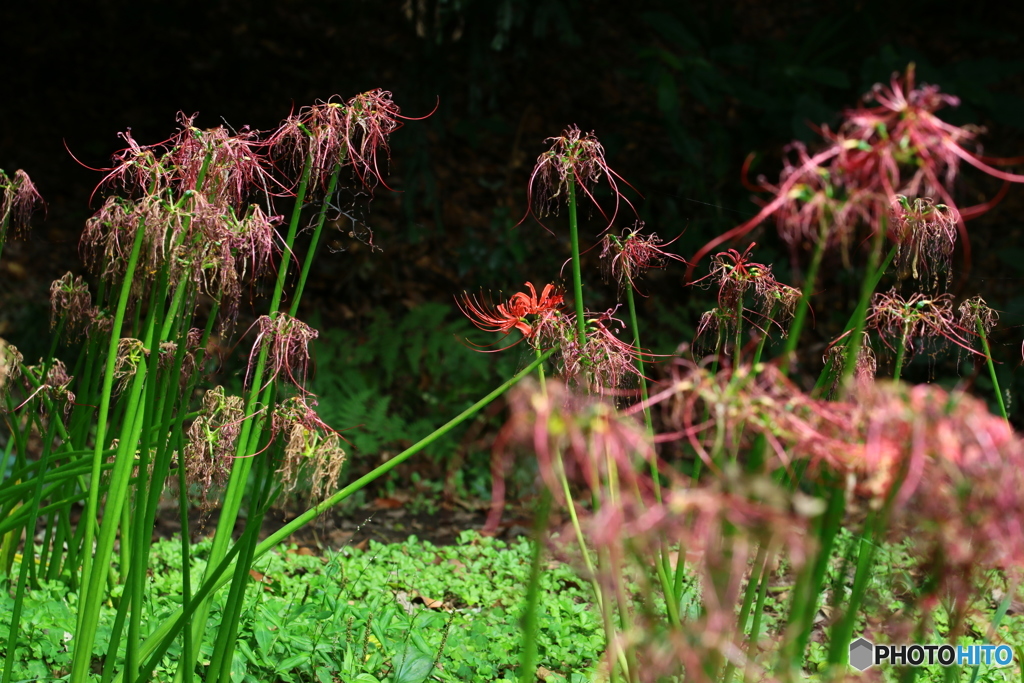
(991, 371)
(757, 577)
(92, 506)
(27, 556)
(88, 616)
(826, 372)
(531, 618)
(901, 354)
(243, 461)
(577, 277)
(811, 579)
(332, 185)
(737, 343)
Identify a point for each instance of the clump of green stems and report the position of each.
(193, 227)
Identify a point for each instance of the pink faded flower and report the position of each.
(341, 133)
(71, 301)
(312, 451)
(899, 147)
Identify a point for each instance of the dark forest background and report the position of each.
(679, 93)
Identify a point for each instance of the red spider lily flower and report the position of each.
(899, 147)
(18, 199)
(573, 155)
(632, 254)
(528, 313)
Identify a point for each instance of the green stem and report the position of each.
(991, 367)
(577, 278)
(530, 619)
(826, 373)
(901, 354)
(92, 506)
(872, 276)
(737, 344)
(802, 306)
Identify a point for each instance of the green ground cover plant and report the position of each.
(689, 500)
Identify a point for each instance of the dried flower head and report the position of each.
(18, 199)
(575, 160)
(130, 352)
(70, 299)
(604, 362)
(212, 441)
(864, 370)
(10, 366)
(312, 449)
(332, 134)
(975, 313)
(736, 274)
(286, 341)
(629, 255)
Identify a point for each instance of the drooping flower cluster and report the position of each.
(286, 342)
(910, 323)
(312, 448)
(925, 233)
(212, 440)
(18, 199)
(334, 134)
(70, 299)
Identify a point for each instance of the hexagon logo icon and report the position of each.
(861, 654)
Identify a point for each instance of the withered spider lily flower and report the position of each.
(629, 255)
(348, 133)
(18, 199)
(286, 340)
(529, 313)
(925, 234)
(578, 158)
(736, 274)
